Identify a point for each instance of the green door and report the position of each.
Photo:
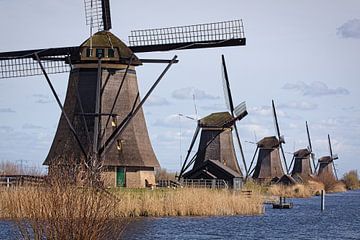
(120, 177)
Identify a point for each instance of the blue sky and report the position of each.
(303, 54)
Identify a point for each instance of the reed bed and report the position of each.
(60, 212)
(296, 191)
(187, 202)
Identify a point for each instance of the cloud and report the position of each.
(30, 126)
(42, 99)
(350, 29)
(6, 129)
(6, 110)
(303, 105)
(214, 107)
(315, 89)
(187, 93)
(175, 121)
(157, 101)
(266, 111)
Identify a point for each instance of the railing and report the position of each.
(20, 180)
(204, 183)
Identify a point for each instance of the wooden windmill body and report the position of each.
(215, 158)
(302, 158)
(102, 125)
(216, 155)
(268, 165)
(326, 166)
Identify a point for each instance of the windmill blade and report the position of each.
(226, 87)
(97, 14)
(24, 63)
(330, 148)
(308, 135)
(281, 138)
(277, 129)
(240, 111)
(313, 161)
(219, 34)
(106, 16)
(337, 179)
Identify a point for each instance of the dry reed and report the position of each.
(60, 212)
(296, 191)
(187, 202)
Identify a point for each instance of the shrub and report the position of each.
(351, 180)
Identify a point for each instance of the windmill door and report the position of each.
(120, 177)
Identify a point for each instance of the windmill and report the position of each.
(268, 166)
(216, 157)
(102, 125)
(301, 159)
(326, 164)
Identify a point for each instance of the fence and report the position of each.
(20, 180)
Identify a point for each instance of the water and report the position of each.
(340, 220)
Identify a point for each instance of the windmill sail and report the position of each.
(97, 13)
(23, 63)
(220, 34)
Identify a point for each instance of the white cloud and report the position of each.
(6, 110)
(188, 92)
(315, 89)
(303, 105)
(350, 29)
(157, 101)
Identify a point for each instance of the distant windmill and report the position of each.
(102, 125)
(326, 163)
(301, 160)
(268, 166)
(216, 146)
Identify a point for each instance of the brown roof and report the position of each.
(106, 39)
(216, 120)
(268, 142)
(302, 153)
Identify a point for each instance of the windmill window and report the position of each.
(111, 53)
(100, 52)
(89, 52)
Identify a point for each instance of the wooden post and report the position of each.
(322, 200)
(8, 182)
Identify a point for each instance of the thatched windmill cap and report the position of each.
(216, 120)
(268, 142)
(325, 159)
(302, 153)
(106, 39)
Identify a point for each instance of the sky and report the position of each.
(303, 54)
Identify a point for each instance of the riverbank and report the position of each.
(39, 202)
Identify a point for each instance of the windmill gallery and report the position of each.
(102, 137)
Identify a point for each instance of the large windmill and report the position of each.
(102, 125)
(268, 166)
(216, 156)
(301, 161)
(326, 165)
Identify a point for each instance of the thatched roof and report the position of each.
(268, 142)
(302, 153)
(216, 120)
(105, 39)
(325, 159)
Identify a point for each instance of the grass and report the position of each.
(69, 212)
(186, 202)
(61, 212)
(296, 191)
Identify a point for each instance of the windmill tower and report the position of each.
(301, 159)
(326, 165)
(102, 125)
(216, 156)
(268, 166)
